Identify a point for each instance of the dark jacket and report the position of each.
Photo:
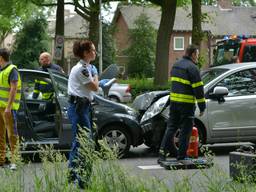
(51, 66)
(187, 86)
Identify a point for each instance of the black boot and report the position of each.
(162, 156)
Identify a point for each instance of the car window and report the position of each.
(249, 53)
(61, 83)
(240, 83)
(211, 74)
(34, 84)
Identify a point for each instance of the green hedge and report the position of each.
(143, 85)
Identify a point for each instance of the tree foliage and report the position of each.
(141, 53)
(31, 40)
(246, 3)
(12, 15)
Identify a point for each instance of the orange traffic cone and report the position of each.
(193, 144)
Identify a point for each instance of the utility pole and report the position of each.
(100, 39)
(58, 54)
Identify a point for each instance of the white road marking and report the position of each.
(146, 167)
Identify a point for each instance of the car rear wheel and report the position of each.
(117, 136)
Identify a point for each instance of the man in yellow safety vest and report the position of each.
(10, 93)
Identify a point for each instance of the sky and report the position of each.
(107, 15)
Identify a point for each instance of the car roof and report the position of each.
(33, 70)
(236, 66)
(40, 71)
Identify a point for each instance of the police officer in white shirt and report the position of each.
(81, 84)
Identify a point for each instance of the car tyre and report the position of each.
(117, 135)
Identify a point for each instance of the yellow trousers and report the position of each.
(9, 124)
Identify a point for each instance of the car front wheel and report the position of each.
(117, 136)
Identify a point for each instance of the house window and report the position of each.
(190, 41)
(178, 43)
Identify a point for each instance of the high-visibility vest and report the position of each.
(45, 88)
(5, 88)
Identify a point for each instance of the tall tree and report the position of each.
(141, 57)
(163, 40)
(197, 34)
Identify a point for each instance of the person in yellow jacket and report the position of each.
(10, 93)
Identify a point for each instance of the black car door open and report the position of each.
(60, 84)
(40, 111)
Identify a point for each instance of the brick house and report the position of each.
(223, 20)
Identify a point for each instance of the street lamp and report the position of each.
(100, 39)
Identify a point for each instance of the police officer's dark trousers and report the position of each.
(181, 117)
(80, 120)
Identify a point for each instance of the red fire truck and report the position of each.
(235, 50)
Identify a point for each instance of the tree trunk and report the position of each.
(197, 34)
(60, 27)
(163, 42)
(94, 25)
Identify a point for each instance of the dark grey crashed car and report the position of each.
(44, 122)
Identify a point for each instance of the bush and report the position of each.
(142, 85)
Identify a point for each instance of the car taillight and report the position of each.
(128, 90)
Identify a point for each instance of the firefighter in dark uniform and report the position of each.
(186, 90)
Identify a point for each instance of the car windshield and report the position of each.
(211, 74)
(226, 52)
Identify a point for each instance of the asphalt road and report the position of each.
(143, 163)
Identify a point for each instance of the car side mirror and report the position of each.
(219, 93)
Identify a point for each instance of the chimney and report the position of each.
(225, 4)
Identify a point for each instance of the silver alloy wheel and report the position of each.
(116, 139)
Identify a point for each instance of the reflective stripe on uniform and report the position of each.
(185, 98)
(198, 84)
(200, 100)
(41, 82)
(36, 91)
(182, 98)
(5, 94)
(180, 80)
(46, 96)
(6, 100)
(7, 89)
